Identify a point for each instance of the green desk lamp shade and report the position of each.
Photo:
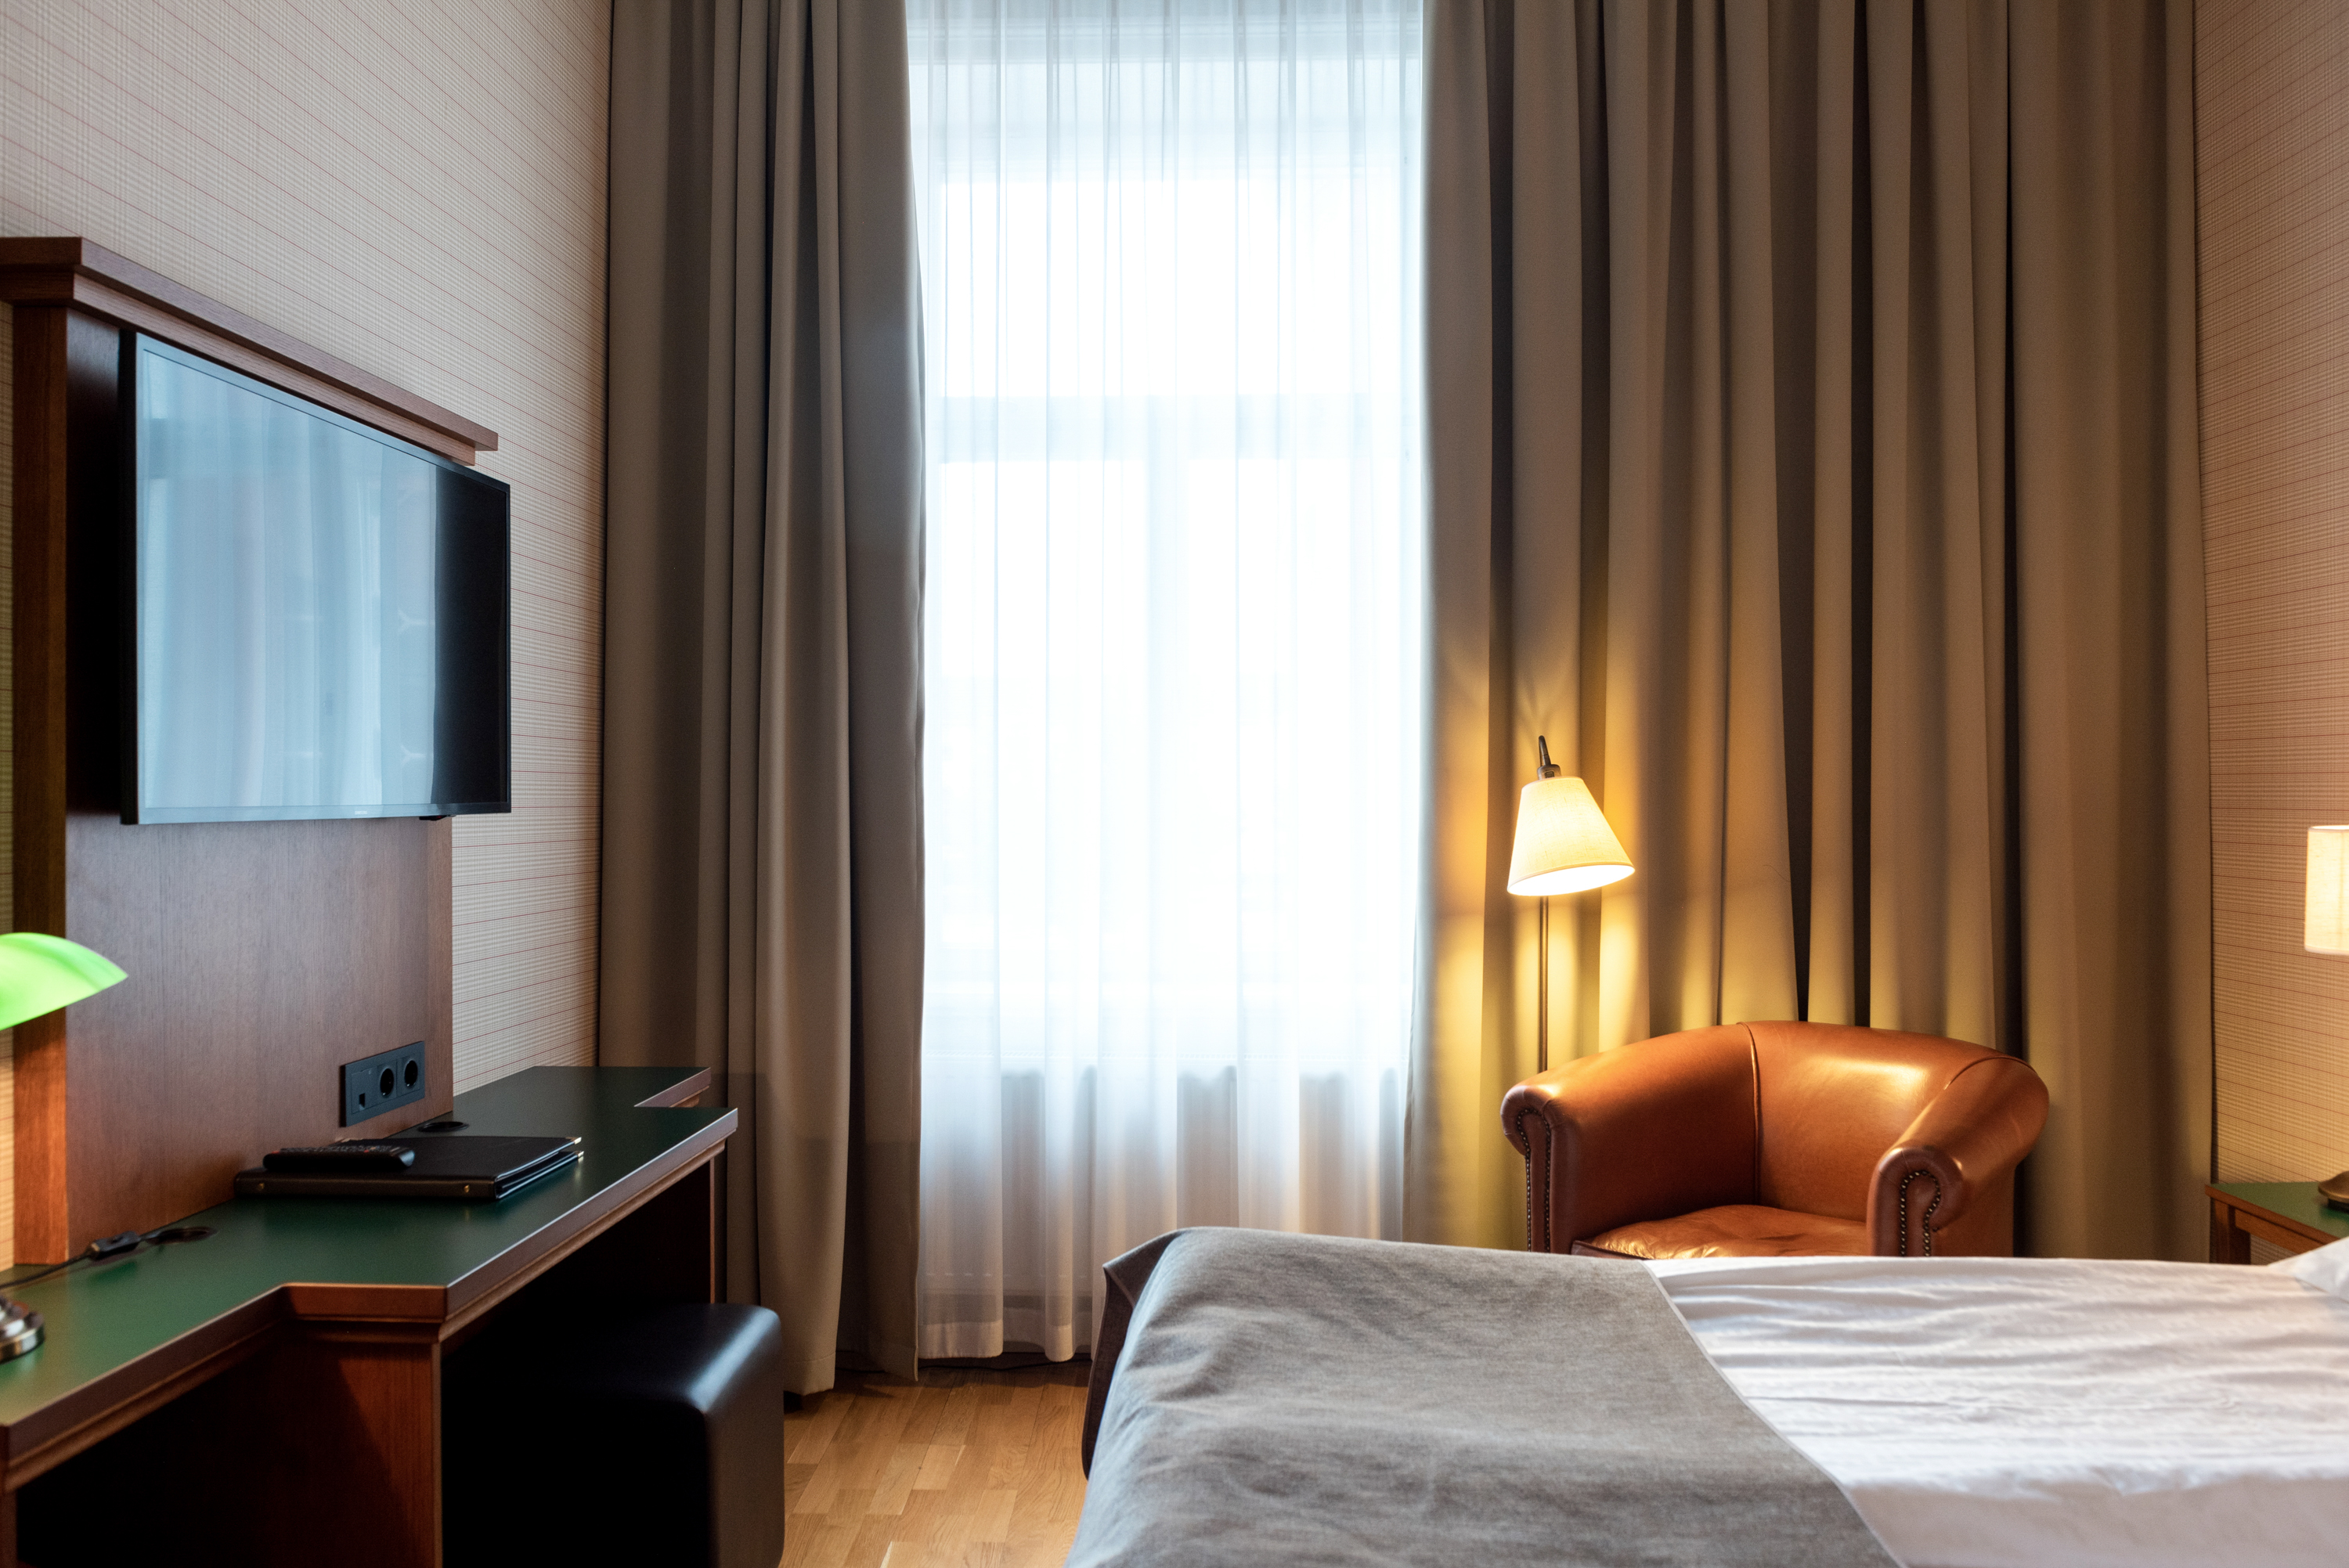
(41, 974)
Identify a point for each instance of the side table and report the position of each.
(2288, 1214)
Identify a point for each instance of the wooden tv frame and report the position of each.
(262, 955)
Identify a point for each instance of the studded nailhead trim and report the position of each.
(1536, 1241)
(1927, 1227)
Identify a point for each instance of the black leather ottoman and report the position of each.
(656, 1440)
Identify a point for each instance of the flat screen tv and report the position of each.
(318, 616)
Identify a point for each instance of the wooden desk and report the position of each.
(2288, 1214)
(286, 1371)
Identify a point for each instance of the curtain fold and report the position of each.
(2113, 725)
(1812, 461)
(762, 874)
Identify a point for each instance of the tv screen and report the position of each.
(319, 622)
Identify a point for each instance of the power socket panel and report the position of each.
(385, 1081)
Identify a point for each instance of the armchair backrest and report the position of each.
(1831, 1099)
(1658, 1128)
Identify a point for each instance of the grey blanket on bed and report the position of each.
(1266, 1398)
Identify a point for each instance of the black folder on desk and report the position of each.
(448, 1165)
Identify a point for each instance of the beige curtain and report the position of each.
(762, 866)
(1813, 461)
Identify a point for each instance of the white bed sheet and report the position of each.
(1983, 1412)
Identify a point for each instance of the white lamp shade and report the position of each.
(1564, 844)
(2328, 891)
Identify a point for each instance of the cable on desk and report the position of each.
(122, 1245)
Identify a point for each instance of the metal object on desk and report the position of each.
(20, 1329)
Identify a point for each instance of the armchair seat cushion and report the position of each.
(1734, 1231)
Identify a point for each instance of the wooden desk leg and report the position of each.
(354, 1447)
(2230, 1242)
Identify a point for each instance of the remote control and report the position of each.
(337, 1159)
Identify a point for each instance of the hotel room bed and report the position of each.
(1993, 1411)
(1303, 1399)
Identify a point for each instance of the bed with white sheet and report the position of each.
(1982, 1412)
(1974, 1412)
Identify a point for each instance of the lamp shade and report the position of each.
(1564, 844)
(40, 973)
(2328, 891)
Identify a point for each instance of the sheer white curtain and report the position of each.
(1171, 258)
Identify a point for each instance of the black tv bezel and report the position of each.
(135, 343)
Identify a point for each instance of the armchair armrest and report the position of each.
(1965, 1144)
(1640, 1132)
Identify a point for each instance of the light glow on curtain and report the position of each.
(1173, 633)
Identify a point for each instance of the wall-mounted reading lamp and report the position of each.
(40, 974)
(1564, 845)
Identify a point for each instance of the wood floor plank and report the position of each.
(971, 1467)
(1007, 1465)
(992, 1521)
(815, 1542)
(939, 1463)
(955, 1416)
(822, 1486)
(883, 1540)
(922, 1420)
(905, 1468)
(806, 1437)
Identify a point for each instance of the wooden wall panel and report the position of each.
(2272, 119)
(281, 973)
(262, 955)
(417, 187)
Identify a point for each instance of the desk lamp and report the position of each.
(1564, 845)
(40, 974)
(2328, 933)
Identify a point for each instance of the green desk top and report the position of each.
(2295, 1201)
(102, 1317)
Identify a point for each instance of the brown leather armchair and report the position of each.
(1777, 1139)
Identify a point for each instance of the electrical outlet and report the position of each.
(385, 1081)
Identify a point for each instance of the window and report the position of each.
(1173, 640)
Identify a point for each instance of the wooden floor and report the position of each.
(971, 1467)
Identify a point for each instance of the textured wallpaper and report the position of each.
(418, 188)
(2272, 119)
